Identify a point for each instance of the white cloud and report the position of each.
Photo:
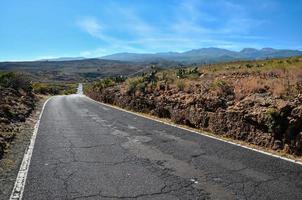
(91, 26)
(186, 28)
(126, 19)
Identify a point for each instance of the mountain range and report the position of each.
(206, 55)
(76, 68)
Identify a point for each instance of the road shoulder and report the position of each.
(9, 164)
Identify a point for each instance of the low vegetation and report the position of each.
(259, 102)
(16, 103)
(18, 98)
(54, 88)
(79, 70)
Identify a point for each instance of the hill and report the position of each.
(208, 55)
(80, 70)
(258, 102)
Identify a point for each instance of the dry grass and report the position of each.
(277, 77)
(278, 83)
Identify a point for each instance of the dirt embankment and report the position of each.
(257, 119)
(17, 102)
(263, 108)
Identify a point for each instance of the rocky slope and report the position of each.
(251, 102)
(17, 101)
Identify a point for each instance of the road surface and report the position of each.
(85, 150)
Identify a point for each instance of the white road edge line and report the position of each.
(19, 186)
(200, 133)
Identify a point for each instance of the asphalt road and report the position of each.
(85, 150)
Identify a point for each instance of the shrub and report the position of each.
(164, 77)
(222, 87)
(180, 73)
(119, 79)
(151, 77)
(273, 118)
(141, 86)
(180, 85)
(272, 112)
(16, 81)
(183, 73)
(193, 71)
(54, 88)
(101, 84)
(249, 65)
(299, 87)
(131, 84)
(161, 85)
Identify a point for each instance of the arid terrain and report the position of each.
(21, 101)
(16, 104)
(18, 99)
(151, 100)
(258, 102)
(72, 71)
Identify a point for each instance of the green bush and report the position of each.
(249, 65)
(119, 79)
(223, 87)
(132, 84)
(151, 77)
(16, 81)
(103, 83)
(187, 73)
(272, 112)
(141, 87)
(181, 73)
(54, 88)
(272, 122)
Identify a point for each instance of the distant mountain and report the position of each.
(207, 55)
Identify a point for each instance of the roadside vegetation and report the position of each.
(55, 88)
(18, 98)
(259, 102)
(16, 103)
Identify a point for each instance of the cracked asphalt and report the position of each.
(85, 150)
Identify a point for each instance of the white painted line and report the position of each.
(17, 192)
(200, 133)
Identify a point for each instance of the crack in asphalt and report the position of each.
(162, 191)
(70, 149)
(135, 162)
(166, 173)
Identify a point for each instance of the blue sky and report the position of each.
(38, 29)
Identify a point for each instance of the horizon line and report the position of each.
(51, 58)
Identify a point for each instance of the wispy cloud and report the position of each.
(93, 27)
(191, 25)
(90, 25)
